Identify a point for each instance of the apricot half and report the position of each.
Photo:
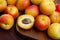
(25, 21)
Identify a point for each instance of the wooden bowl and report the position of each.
(34, 33)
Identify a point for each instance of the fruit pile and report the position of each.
(45, 14)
